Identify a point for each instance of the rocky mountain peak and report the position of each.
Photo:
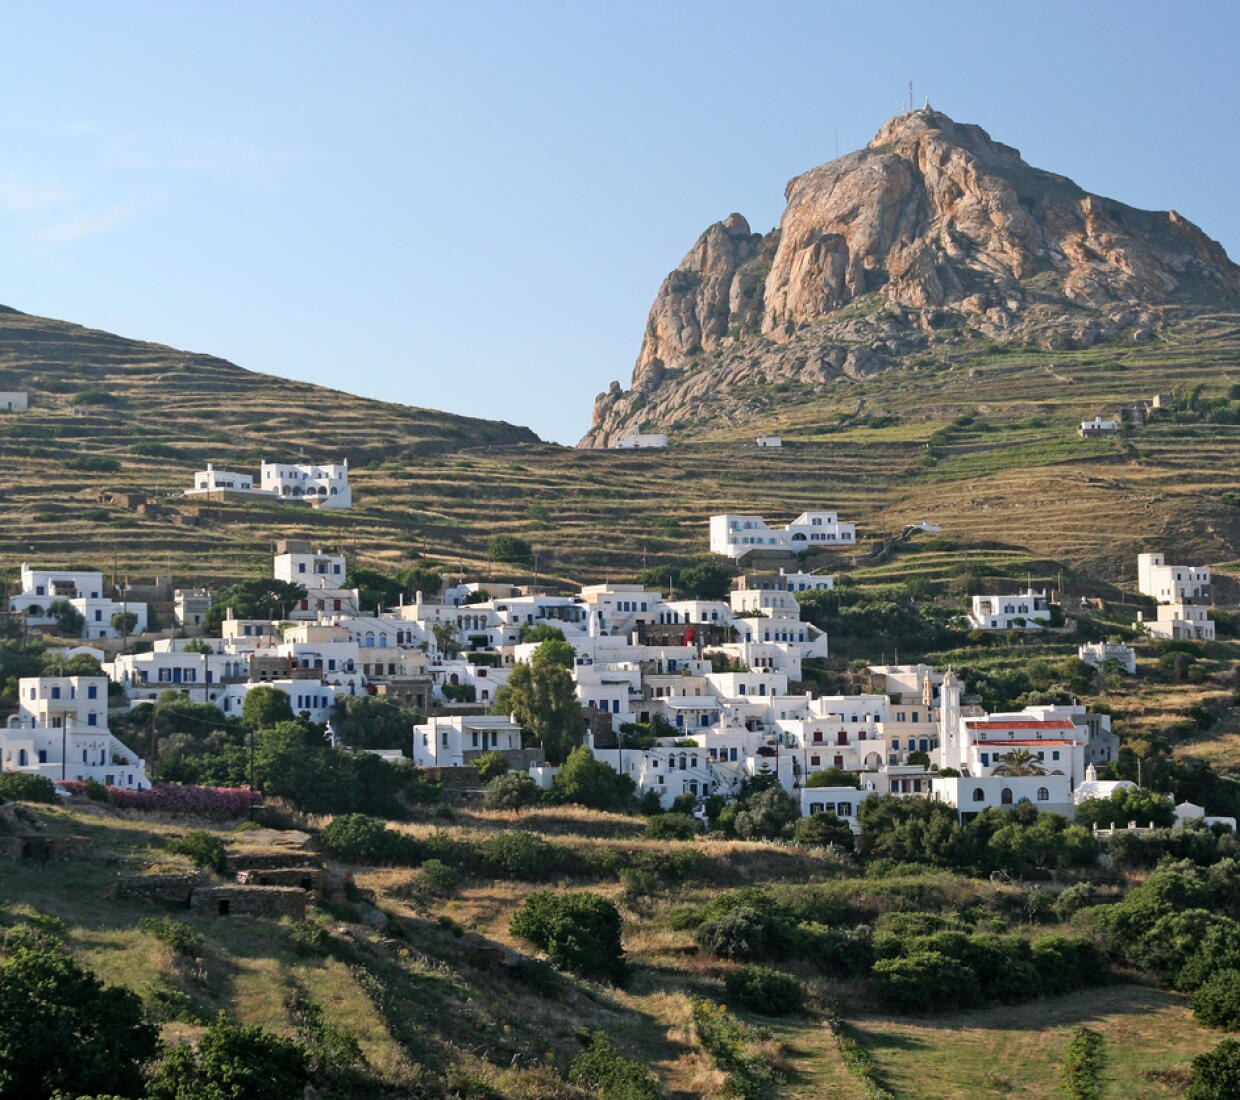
(933, 226)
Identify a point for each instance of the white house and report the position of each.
(14, 400)
(770, 441)
(60, 731)
(1096, 654)
(639, 440)
(970, 795)
(1026, 610)
(83, 590)
(1172, 583)
(451, 741)
(300, 566)
(314, 698)
(190, 606)
(212, 480)
(1183, 594)
(1097, 427)
(324, 484)
(734, 536)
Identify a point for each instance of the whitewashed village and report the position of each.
(691, 699)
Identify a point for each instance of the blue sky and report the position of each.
(470, 206)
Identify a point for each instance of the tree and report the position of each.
(266, 706)
(578, 931)
(1018, 762)
(768, 815)
(832, 777)
(232, 1062)
(124, 622)
(1125, 805)
(1216, 1074)
(62, 1029)
(556, 651)
(704, 579)
(446, 640)
(260, 599)
(510, 549)
(822, 829)
(590, 782)
(513, 791)
(490, 765)
(541, 696)
(1216, 1001)
(69, 621)
(371, 722)
(542, 632)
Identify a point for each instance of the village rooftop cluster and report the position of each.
(710, 677)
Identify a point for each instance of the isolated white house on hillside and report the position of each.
(734, 536)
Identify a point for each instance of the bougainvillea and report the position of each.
(217, 802)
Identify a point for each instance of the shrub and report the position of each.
(839, 952)
(760, 989)
(1075, 898)
(1217, 1000)
(822, 829)
(1216, 1074)
(524, 856)
(590, 782)
(438, 877)
(1081, 1065)
(578, 931)
(356, 838)
(96, 791)
(491, 765)
(602, 1070)
(205, 850)
(671, 826)
(770, 813)
(513, 791)
(924, 981)
(24, 787)
(181, 937)
(741, 933)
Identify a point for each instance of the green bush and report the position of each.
(1216, 1074)
(1217, 1000)
(924, 982)
(1075, 898)
(742, 933)
(761, 989)
(205, 850)
(524, 856)
(490, 765)
(602, 1070)
(822, 829)
(513, 791)
(438, 877)
(671, 826)
(96, 791)
(1081, 1065)
(24, 787)
(839, 952)
(356, 838)
(181, 937)
(578, 931)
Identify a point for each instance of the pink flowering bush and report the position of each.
(218, 802)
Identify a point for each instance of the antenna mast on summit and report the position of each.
(910, 95)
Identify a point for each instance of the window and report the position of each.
(55, 693)
(1005, 798)
(843, 809)
(979, 795)
(92, 692)
(92, 719)
(1044, 795)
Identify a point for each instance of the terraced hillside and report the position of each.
(984, 446)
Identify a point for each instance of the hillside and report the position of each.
(444, 1000)
(932, 243)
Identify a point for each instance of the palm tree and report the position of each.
(1018, 762)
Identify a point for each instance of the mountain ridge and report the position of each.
(932, 234)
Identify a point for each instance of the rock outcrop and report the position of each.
(932, 233)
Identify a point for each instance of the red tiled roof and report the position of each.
(1050, 724)
(1047, 741)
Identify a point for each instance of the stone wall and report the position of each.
(172, 891)
(271, 902)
